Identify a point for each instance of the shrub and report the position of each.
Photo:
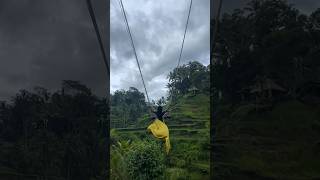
(117, 171)
(146, 161)
(117, 163)
(176, 174)
(114, 136)
(122, 136)
(143, 121)
(187, 153)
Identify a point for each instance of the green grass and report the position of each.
(276, 144)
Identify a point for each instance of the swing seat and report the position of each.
(160, 130)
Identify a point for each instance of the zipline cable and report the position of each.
(184, 35)
(95, 25)
(133, 47)
(181, 50)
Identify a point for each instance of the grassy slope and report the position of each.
(282, 143)
(192, 113)
(189, 125)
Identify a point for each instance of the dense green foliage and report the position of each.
(266, 93)
(118, 169)
(127, 107)
(145, 160)
(192, 75)
(59, 135)
(266, 39)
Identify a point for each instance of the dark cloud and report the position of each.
(157, 29)
(46, 41)
(305, 6)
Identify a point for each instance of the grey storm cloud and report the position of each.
(43, 42)
(157, 28)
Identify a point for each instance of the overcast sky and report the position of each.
(157, 28)
(43, 42)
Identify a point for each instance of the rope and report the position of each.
(93, 19)
(184, 35)
(133, 47)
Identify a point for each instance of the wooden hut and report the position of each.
(193, 90)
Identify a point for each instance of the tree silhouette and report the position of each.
(60, 134)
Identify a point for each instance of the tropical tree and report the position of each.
(193, 74)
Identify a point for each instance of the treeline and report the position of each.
(192, 76)
(127, 107)
(267, 43)
(60, 134)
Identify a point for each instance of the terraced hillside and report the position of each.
(279, 143)
(189, 136)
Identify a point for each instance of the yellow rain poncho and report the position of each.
(160, 130)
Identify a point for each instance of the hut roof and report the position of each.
(193, 89)
(265, 85)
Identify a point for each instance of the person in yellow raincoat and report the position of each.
(159, 129)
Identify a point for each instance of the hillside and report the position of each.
(189, 136)
(279, 143)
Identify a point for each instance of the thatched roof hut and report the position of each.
(266, 85)
(194, 90)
